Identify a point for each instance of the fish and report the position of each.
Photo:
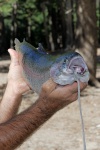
(38, 66)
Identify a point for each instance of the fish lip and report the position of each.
(81, 64)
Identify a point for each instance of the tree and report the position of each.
(5, 15)
(13, 24)
(2, 44)
(60, 22)
(69, 22)
(86, 36)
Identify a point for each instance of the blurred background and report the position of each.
(60, 25)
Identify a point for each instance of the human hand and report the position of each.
(15, 88)
(57, 97)
(15, 76)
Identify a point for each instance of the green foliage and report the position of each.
(27, 11)
(6, 7)
(37, 15)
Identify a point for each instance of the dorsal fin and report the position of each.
(41, 49)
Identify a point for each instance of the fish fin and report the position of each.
(17, 41)
(17, 44)
(41, 49)
(29, 45)
(24, 40)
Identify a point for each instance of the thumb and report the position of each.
(14, 57)
(48, 87)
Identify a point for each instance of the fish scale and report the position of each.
(38, 67)
(34, 77)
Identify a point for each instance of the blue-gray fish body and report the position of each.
(38, 66)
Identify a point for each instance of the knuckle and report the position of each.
(83, 86)
(72, 91)
(44, 87)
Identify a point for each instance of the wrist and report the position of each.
(9, 104)
(47, 107)
(19, 87)
(13, 90)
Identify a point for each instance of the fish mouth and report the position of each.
(69, 71)
(77, 65)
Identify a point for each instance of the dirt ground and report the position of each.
(63, 130)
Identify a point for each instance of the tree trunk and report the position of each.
(69, 23)
(53, 23)
(86, 36)
(13, 24)
(28, 29)
(2, 38)
(44, 7)
(61, 24)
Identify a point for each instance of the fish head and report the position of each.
(69, 68)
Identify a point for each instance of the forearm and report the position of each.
(9, 104)
(15, 131)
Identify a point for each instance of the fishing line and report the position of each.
(80, 109)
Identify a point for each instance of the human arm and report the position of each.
(52, 98)
(16, 86)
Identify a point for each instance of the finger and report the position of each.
(73, 97)
(14, 57)
(70, 89)
(83, 85)
(48, 87)
(74, 87)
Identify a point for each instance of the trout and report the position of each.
(38, 66)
